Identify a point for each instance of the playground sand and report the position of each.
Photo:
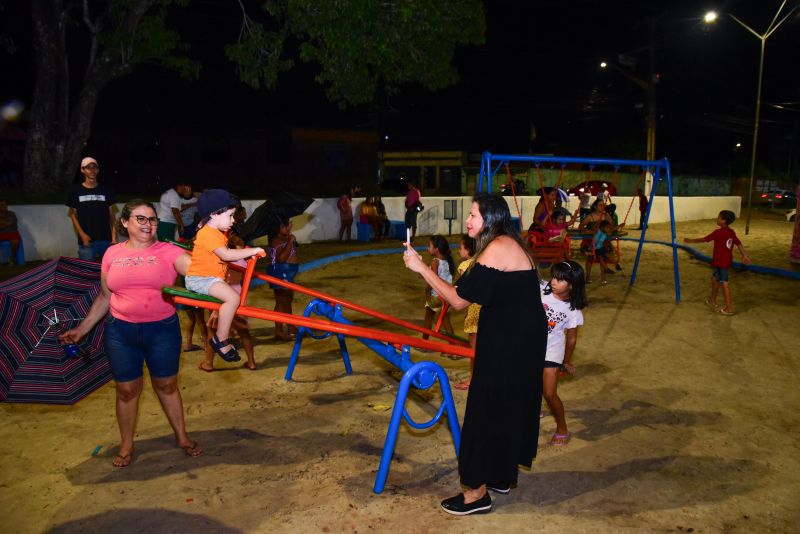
(682, 420)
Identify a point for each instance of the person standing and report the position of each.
(140, 326)
(501, 420)
(412, 207)
(171, 205)
(724, 239)
(91, 210)
(643, 203)
(345, 206)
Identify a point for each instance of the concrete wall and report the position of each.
(47, 232)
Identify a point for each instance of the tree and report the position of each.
(359, 46)
(126, 33)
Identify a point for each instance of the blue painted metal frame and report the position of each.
(657, 167)
(422, 375)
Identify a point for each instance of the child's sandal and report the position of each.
(231, 356)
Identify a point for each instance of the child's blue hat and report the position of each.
(213, 200)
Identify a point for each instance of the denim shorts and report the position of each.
(96, 249)
(201, 284)
(721, 274)
(129, 345)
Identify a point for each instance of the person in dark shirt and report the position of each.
(91, 210)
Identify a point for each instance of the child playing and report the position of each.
(467, 251)
(284, 264)
(209, 268)
(239, 324)
(563, 298)
(724, 239)
(600, 252)
(443, 266)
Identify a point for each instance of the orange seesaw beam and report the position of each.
(330, 326)
(333, 300)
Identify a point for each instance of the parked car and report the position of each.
(594, 188)
(791, 214)
(778, 197)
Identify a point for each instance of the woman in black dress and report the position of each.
(501, 420)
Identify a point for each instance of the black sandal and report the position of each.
(231, 356)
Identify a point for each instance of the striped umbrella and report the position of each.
(35, 308)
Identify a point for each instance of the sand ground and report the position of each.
(683, 421)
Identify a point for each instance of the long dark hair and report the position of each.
(572, 273)
(125, 214)
(496, 222)
(441, 244)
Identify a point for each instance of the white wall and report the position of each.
(47, 232)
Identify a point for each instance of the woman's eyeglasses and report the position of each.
(142, 220)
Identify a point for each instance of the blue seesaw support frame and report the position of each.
(421, 375)
(660, 170)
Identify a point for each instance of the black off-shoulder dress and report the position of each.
(501, 421)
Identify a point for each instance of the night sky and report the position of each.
(539, 66)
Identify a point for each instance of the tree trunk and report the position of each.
(58, 129)
(43, 154)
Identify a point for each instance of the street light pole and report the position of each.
(711, 17)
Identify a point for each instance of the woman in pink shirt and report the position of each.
(141, 326)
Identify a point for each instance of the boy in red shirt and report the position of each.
(724, 239)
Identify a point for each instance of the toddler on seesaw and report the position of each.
(209, 263)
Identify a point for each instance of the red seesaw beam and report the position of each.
(333, 300)
(329, 326)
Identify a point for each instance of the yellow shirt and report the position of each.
(204, 261)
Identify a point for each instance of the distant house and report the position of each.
(434, 172)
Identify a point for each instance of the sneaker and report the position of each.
(456, 506)
(499, 487)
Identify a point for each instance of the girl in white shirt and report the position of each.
(563, 298)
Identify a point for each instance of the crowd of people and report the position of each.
(521, 323)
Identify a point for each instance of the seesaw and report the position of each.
(392, 347)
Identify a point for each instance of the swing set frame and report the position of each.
(660, 169)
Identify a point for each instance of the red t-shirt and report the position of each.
(412, 197)
(724, 240)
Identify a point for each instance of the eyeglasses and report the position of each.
(142, 220)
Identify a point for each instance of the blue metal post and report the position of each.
(412, 376)
(674, 237)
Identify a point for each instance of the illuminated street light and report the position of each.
(738, 145)
(603, 64)
(711, 17)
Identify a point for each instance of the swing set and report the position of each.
(660, 169)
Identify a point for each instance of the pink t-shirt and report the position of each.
(135, 278)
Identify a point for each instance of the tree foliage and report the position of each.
(358, 45)
(361, 44)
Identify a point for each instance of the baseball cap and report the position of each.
(87, 161)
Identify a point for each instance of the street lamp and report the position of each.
(710, 18)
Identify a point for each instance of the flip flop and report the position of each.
(712, 305)
(122, 460)
(192, 348)
(723, 311)
(193, 449)
(247, 366)
(559, 440)
(203, 368)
